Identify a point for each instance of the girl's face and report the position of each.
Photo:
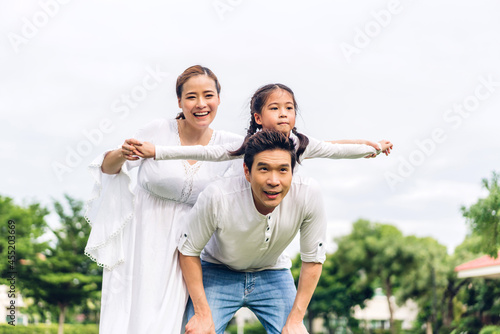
(278, 112)
(199, 101)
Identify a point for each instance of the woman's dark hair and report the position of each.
(265, 140)
(258, 102)
(188, 74)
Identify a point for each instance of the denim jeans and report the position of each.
(269, 294)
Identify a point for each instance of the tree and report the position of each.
(426, 282)
(380, 252)
(482, 305)
(484, 217)
(469, 249)
(338, 291)
(28, 224)
(21, 228)
(62, 275)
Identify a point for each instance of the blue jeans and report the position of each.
(269, 294)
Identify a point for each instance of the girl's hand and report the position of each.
(128, 149)
(386, 146)
(145, 150)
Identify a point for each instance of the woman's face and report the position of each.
(278, 112)
(199, 101)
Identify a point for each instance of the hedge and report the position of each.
(49, 329)
(490, 330)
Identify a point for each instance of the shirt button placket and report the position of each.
(267, 233)
(268, 229)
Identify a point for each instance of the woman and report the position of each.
(134, 234)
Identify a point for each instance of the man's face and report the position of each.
(270, 179)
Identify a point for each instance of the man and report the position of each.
(243, 225)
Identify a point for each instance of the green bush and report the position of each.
(490, 330)
(49, 329)
(415, 331)
(445, 330)
(252, 328)
(468, 325)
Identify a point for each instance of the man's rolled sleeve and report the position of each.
(313, 228)
(199, 223)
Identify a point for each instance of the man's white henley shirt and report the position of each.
(225, 227)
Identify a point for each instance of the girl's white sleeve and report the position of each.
(197, 152)
(322, 149)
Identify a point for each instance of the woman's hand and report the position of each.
(114, 160)
(128, 149)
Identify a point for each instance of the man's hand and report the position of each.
(200, 325)
(201, 322)
(308, 279)
(294, 328)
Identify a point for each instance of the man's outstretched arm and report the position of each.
(308, 280)
(202, 321)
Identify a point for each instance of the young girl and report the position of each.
(272, 106)
(134, 233)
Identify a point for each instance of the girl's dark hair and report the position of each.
(257, 102)
(266, 140)
(188, 74)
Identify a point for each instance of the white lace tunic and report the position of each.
(134, 233)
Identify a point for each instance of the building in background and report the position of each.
(376, 314)
(485, 267)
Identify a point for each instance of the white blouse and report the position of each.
(135, 232)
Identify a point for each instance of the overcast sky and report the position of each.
(79, 77)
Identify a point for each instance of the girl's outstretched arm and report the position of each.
(385, 145)
(321, 149)
(348, 149)
(194, 152)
